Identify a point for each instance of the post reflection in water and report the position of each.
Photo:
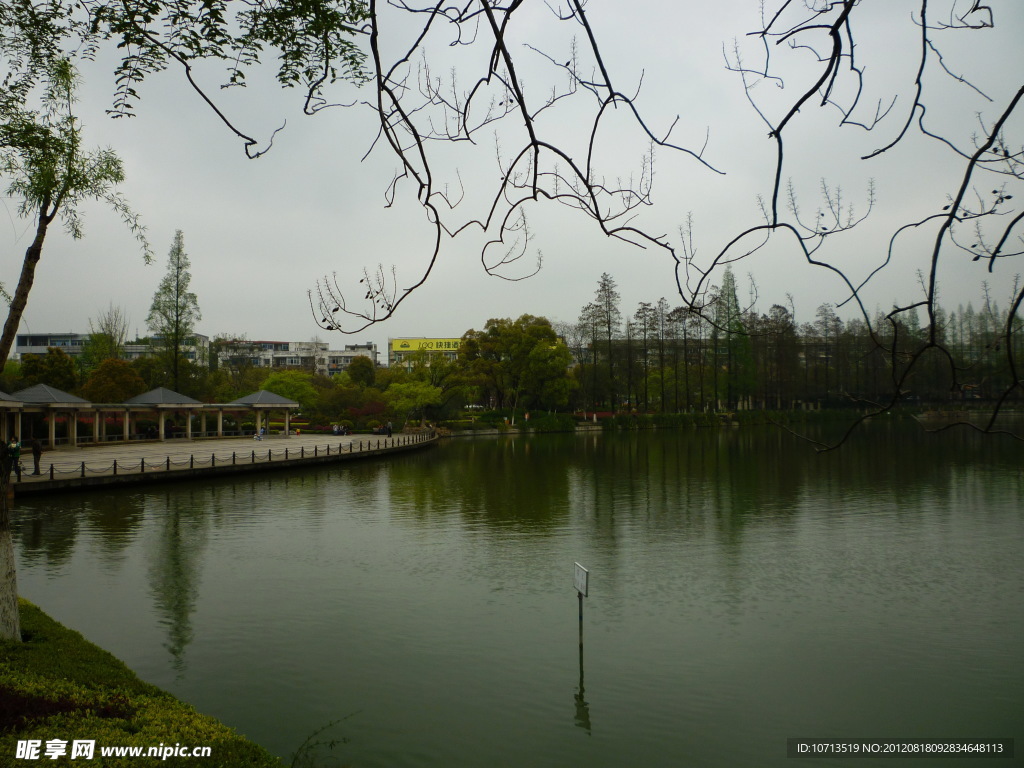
(582, 707)
(875, 590)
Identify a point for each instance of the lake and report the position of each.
(743, 590)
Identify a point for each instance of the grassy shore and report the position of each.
(57, 685)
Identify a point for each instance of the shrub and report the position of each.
(550, 422)
(58, 685)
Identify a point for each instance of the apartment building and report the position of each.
(73, 344)
(313, 356)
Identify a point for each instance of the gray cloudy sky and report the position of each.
(260, 233)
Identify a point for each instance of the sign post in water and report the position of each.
(581, 580)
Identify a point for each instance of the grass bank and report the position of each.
(58, 685)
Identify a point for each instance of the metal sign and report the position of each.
(580, 579)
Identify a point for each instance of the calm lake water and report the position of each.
(743, 590)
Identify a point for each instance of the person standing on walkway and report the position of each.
(14, 451)
(37, 454)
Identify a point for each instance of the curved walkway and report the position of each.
(119, 463)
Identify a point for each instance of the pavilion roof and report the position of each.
(44, 393)
(162, 396)
(265, 397)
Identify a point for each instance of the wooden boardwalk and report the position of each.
(68, 469)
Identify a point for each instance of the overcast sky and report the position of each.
(261, 233)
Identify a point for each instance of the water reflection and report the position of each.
(114, 526)
(177, 550)
(46, 534)
(582, 707)
(517, 483)
(429, 592)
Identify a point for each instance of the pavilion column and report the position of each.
(202, 424)
(52, 428)
(125, 431)
(98, 430)
(17, 424)
(73, 427)
(188, 424)
(287, 432)
(220, 422)
(259, 422)
(163, 418)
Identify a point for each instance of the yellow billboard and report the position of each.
(425, 345)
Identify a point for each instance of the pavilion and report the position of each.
(161, 402)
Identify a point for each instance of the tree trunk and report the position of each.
(10, 624)
(28, 274)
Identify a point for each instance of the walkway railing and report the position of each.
(58, 470)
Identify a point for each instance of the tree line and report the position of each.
(671, 359)
(659, 359)
(510, 365)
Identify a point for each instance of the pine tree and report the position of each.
(175, 310)
(609, 319)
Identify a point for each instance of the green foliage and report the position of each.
(385, 377)
(410, 398)
(232, 384)
(519, 363)
(362, 371)
(338, 400)
(55, 368)
(113, 381)
(295, 385)
(55, 682)
(41, 154)
(548, 422)
(99, 347)
(196, 381)
(10, 379)
(313, 40)
(152, 371)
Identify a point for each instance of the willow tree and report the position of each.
(42, 159)
(49, 173)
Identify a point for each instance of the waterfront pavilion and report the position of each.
(265, 402)
(10, 424)
(161, 403)
(164, 402)
(52, 403)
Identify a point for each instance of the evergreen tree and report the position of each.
(736, 355)
(646, 324)
(175, 310)
(608, 317)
